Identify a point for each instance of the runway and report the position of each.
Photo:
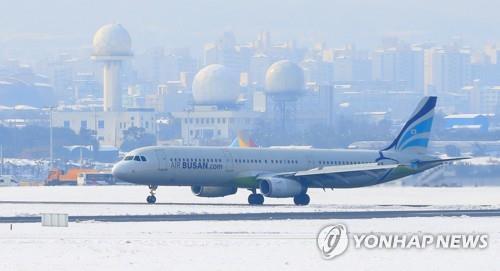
(172, 203)
(117, 226)
(267, 216)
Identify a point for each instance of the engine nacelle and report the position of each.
(213, 191)
(275, 187)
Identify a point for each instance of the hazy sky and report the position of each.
(57, 25)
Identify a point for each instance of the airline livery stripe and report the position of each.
(419, 142)
(423, 127)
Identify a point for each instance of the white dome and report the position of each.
(215, 84)
(112, 40)
(284, 77)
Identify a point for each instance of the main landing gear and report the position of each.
(151, 199)
(255, 199)
(302, 199)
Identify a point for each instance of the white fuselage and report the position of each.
(226, 166)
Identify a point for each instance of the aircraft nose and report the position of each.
(118, 171)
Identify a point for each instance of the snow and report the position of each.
(24, 107)
(472, 126)
(42, 85)
(240, 245)
(22, 162)
(3, 107)
(483, 161)
(465, 116)
(236, 245)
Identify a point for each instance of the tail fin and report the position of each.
(240, 142)
(414, 137)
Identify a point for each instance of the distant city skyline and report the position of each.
(32, 29)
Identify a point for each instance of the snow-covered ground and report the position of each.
(236, 245)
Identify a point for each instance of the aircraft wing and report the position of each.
(348, 176)
(340, 176)
(345, 169)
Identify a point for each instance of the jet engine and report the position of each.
(276, 187)
(213, 191)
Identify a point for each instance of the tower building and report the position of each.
(284, 85)
(112, 45)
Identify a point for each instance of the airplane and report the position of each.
(282, 172)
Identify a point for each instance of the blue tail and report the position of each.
(414, 137)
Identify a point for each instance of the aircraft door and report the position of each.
(228, 161)
(310, 161)
(163, 160)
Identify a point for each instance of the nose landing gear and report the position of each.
(151, 199)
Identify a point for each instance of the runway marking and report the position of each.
(267, 216)
(130, 203)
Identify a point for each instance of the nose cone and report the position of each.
(118, 171)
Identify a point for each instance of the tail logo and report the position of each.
(415, 133)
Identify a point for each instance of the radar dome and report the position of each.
(215, 85)
(284, 77)
(112, 40)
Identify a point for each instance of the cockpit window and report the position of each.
(139, 158)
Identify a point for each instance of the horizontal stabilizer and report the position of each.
(442, 161)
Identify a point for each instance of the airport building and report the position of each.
(209, 124)
(483, 99)
(109, 127)
(217, 115)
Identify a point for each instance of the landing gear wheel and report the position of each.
(151, 199)
(255, 199)
(302, 199)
